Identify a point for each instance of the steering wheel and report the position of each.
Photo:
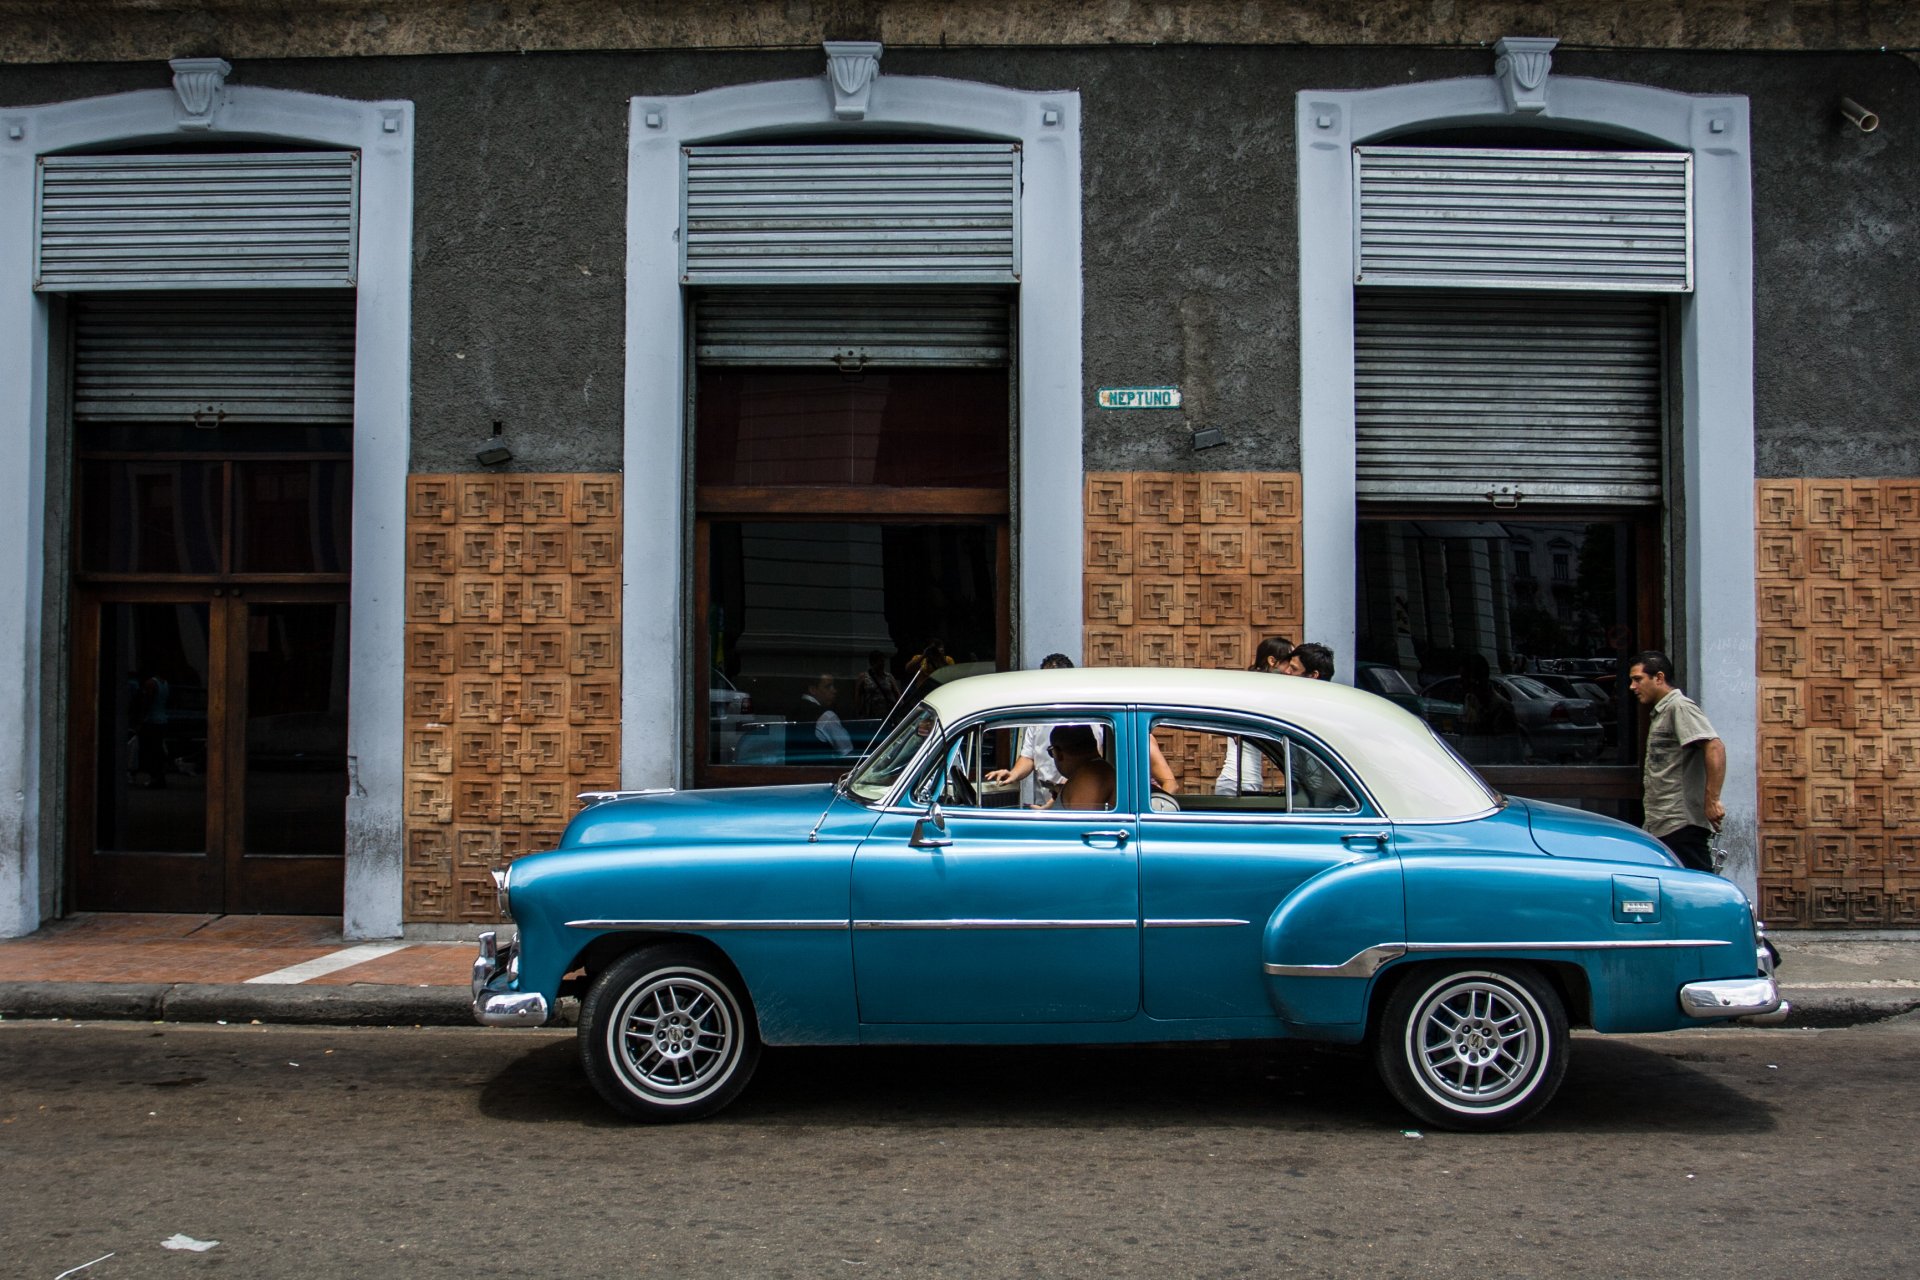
(959, 787)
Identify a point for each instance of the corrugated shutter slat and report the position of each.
(935, 213)
(871, 327)
(1559, 398)
(274, 219)
(1462, 218)
(242, 359)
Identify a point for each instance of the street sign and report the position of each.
(1139, 397)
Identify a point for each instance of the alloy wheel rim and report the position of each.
(676, 1036)
(1475, 1043)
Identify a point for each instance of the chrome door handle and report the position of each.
(1119, 837)
(1355, 839)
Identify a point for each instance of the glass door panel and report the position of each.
(149, 736)
(296, 729)
(292, 777)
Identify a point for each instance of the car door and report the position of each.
(970, 908)
(1258, 810)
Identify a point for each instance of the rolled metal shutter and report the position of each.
(1497, 219)
(1508, 398)
(923, 213)
(225, 359)
(853, 328)
(274, 219)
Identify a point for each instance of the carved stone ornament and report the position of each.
(853, 66)
(1521, 68)
(197, 83)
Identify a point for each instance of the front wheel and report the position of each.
(1475, 1048)
(666, 1033)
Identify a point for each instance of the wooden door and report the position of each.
(209, 748)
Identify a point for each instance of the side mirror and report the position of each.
(930, 832)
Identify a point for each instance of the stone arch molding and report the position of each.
(851, 100)
(197, 112)
(1711, 604)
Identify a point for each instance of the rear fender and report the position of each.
(1324, 943)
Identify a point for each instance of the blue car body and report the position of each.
(886, 919)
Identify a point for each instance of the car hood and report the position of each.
(741, 813)
(1566, 832)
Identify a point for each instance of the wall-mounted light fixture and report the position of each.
(1208, 437)
(494, 454)
(1858, 116)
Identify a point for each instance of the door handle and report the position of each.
(1361, 839)
(1119, 836)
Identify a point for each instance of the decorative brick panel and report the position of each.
(1839, 700)
(513, 674)
(1190, 570)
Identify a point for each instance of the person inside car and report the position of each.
(1089, 778)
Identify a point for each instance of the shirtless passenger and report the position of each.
(1089, 778)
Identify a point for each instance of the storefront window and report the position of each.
(1520, 675)
(816, 629)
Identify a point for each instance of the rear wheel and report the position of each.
(666, 1033)
(1480, 1047)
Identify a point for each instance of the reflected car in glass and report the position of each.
(1325, 868)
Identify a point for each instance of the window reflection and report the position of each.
(1456, 626)
(816, 629)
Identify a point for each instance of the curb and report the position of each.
(363, 1005)
(369, 1005)
(1831, 1007)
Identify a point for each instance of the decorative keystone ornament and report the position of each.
(197, 83)
(1521, 68)
(853, 66)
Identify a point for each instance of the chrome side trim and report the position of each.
(1195, 924)
(1365, 963)
(700, 926)
(995, 924)
(1606, 944)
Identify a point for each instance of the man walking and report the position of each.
(1686, 764)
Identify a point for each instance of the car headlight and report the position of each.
(500, 891)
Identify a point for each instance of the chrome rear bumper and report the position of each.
(496, 977)
(1756, 998)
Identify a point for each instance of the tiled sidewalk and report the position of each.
(225, 949)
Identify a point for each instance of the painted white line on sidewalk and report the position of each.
(332, 963)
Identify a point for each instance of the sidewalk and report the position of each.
(195, 968)
(298, 969)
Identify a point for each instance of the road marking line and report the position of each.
(331, 963)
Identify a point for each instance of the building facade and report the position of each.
(419, 421)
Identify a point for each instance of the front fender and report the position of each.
(779, 917)
(1323, 943)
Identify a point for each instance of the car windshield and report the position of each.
(882, 768)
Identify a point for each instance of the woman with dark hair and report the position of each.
(1272, 654)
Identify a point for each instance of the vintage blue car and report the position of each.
(1348, 880)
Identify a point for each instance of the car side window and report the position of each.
(1220, 768)
(1014, 764)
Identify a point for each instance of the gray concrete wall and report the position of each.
(1189, 265)
(102, 30)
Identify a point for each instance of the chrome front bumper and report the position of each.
(496, 976)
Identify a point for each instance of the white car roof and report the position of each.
(1412, 775)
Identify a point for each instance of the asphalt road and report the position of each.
(320, 1152)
